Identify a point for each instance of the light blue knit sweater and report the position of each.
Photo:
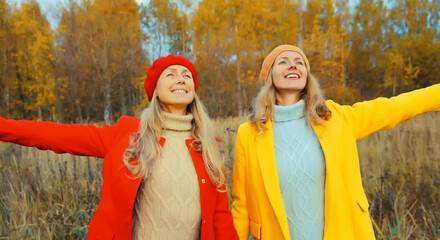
(301, 171)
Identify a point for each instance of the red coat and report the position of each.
(113, 217)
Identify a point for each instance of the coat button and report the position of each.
(203, 181)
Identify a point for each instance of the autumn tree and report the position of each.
(27, 70)
(412, 56)
(368, 43)
(102, 56)
(230, 40)
(5, 56)
(167, 23)
(324, 40)
(96, 67)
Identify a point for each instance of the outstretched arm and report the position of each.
(84, 140)
(239, 207)
(383, 113)
(223, 223)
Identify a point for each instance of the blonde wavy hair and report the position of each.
(144, 145)
(315, 110)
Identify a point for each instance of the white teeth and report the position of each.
(292, 76)
(179, 91)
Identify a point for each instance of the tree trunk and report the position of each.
(238, 76)
(122, 96)
(76, 99)
(40, 114)
(108, 103)
(6, 101)
(239, 90)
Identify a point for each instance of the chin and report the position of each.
(184, 102)
(296, 86)
(293, 88)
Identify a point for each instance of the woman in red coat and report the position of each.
(163, 173)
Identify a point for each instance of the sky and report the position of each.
(48, 8)
(47, 4)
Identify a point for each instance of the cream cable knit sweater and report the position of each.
(168, 202)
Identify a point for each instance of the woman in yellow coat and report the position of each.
(296, 172)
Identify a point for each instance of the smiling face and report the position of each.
(175, 89)
(289, 74)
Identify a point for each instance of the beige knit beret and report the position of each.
(270, 59)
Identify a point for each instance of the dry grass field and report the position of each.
(49, 196)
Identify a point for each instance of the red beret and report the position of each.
(160, 64)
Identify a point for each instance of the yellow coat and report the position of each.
(258, 203)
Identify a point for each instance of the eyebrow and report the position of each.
(282, 58)
(297, 58)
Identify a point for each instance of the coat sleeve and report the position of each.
(223, 223)
(83, 140)
(383, 113)
(239, 207)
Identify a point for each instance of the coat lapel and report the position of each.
(264, 145)
(322, 134)
(202, 177)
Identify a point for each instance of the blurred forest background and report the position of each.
(90, 68)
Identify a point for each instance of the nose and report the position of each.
(292, 66)
(180, 80)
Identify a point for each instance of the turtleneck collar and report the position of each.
(287, 113)
(176, 122)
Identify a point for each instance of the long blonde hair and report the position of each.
(315, 111)
(144, 145)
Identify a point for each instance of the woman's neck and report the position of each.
(286, 98)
